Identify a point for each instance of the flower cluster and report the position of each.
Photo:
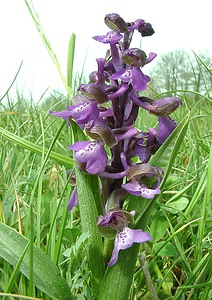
(106, 109)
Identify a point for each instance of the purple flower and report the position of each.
(144, 180)
(92, 153)
(125, 238)
(73, 201)
(165, 128)
(82, 112)
(112, 37)
(137, 188)
(115, 224)
(134, 75)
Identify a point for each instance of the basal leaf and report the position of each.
(89, 204)
(46, 275)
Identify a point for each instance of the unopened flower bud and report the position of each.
(135, 57)
(100, 131)
(115, 22)
(113, 221)
(143, 170)
(93, 91)
(146, 29)
(165, 106)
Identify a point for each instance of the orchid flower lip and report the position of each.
(125, 238)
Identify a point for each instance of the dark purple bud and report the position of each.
(115, 22)
(146, 29)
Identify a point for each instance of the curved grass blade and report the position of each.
(45, 274)
(61, 159)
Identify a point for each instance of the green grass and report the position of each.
(34, 192)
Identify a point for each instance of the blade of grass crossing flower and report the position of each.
(46, 42)
(70, 61)
(45, 274)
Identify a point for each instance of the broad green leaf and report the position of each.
(89, 204)
(158, 227)
(88, 216)
(45, 273)
(175, 206)
(168, 249)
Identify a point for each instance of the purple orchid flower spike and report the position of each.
(117, 152)
(115, 224)
(92, 153)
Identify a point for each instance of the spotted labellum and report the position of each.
(116, 151)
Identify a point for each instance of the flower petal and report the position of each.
(139, 80)
(137, 188)
(91, 153)
(73, 201)
(125, 238)
(84, 112)
(111, 37)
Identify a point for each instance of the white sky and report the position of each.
(179, 24)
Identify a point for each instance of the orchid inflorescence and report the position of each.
(106, 109)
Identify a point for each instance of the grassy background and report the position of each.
(180, 257)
